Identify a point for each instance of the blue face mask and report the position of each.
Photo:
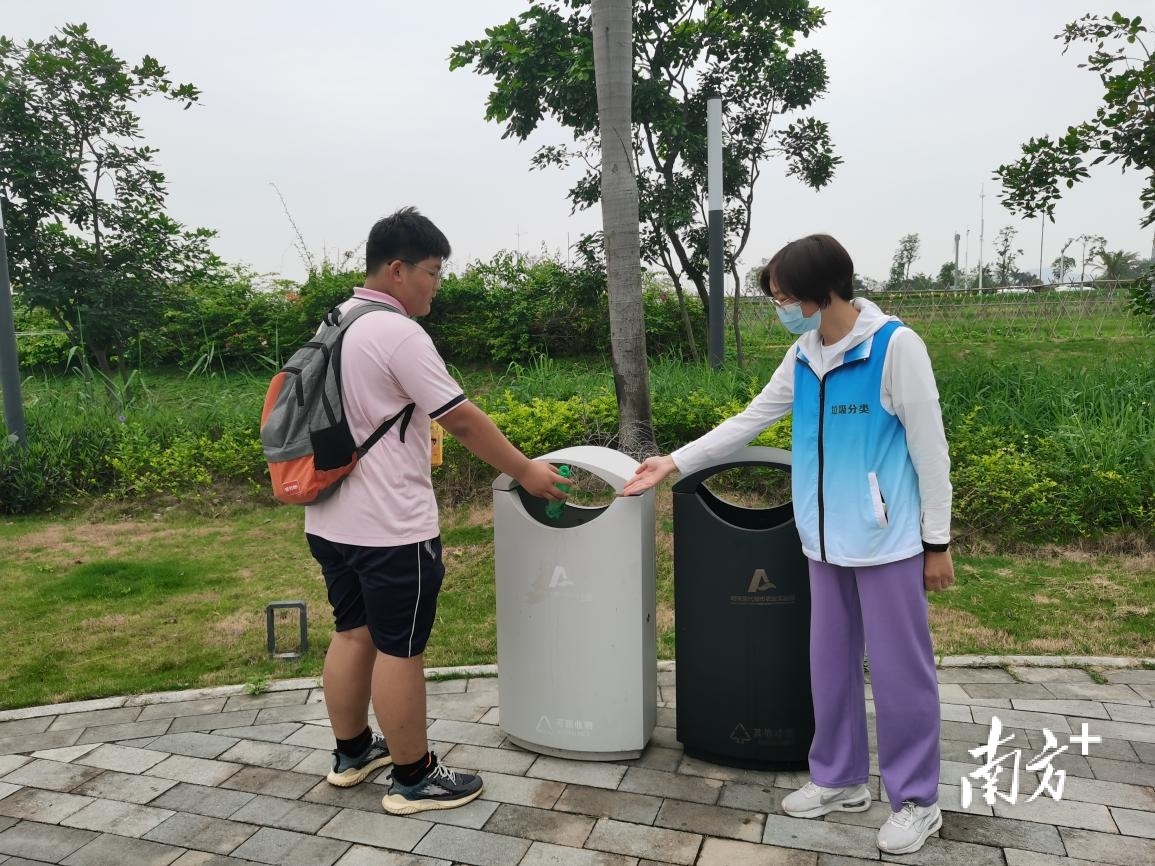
(793, 320)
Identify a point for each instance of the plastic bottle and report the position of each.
(554, 508)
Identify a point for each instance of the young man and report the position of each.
(377, 538)
(872, 502)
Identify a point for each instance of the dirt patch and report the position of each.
(1051, 645)
(958, 630)
(1043, 599)
(108, 622)
(665, 617)
(230, 629)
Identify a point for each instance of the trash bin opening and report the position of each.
(589, 496)
(742, 516)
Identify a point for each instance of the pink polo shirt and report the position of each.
(387, 362)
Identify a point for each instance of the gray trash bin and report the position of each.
(742, 625)
(576, 630)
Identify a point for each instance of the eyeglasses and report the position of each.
(435, 274)
(784, 303)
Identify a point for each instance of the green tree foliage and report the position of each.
(684, 52)
(89, 240)
(1122, 130)
(1007, 253)
(904, 256)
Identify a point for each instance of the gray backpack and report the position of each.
(304, 432)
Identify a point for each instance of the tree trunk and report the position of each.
(612, 25)
(737, 320)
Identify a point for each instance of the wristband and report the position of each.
(930, 547)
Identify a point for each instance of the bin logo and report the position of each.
(740, 735)
(758, 591)
(568, 727)
(560, 578)
(759, 582)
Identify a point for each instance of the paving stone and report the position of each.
(275, 783)
(1103, 848)
(1137, 733)
(105, 850)
(590, 773)
(61, 709)
(1145, 752)
(272, 755)
(658, 758)
(666, 737)
(955, 713)
(944, 852)
(1132, 822)
(1033, 858)
(126, 731)
(283, 848)
(213, 722)
(1109, 793)
(465, 732)
(1006, 690)
(1145, 691)
(711, 820)
(33, 742)
(541, 825)
(484, 758)
(302, 713)
(1086, 709)
(474, 847)
(492, 717)
(383, 831)
(787, 832)
(184, 696)
(181, 708)
(1022, 719)
(874, 817)
(37, 841)
(92, 719)
(268, 699)
(366, 798)
(202, 800)
(26, 726)
(472, 815)
(446, 687)
(974, 675)
(1051, 675)
(463, 708)
(504, 788)
(126, 787)
(1144, 677)
(1127, 713)
(319, 763)
(726, 852)
(195, 770)
(545, 854)
(204, 858)
(52, 775)
(310, 737)
(194, 744)
(8, 763)
(66, 755)
(696, 790)
(482, 684)
(600, 803)
(202, 833)
(1118, 694)
(696, 767)
(635, 840)
(46, 807)
(285, 814)
(270, 733)
(110, 756)
(1129, 772)
(1064, 813)
(361, 855)
(113, 816)
(752, 798)
(983, 830)
(6, 789)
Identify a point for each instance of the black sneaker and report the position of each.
(439, 788)
(348, 771)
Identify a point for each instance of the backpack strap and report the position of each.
(405, 415)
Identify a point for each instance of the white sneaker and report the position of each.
(906, 830)
(812, 801)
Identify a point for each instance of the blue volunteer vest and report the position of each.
(856, 499)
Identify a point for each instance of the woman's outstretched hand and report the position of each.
(649, 474)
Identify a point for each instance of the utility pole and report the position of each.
(715, 343)
(956, 240)
(982, 227)
(1042, 228)
(9, 359)
(967, 260)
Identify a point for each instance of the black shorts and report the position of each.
(392, 590)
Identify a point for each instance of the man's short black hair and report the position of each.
(405, 235)
(813, 268)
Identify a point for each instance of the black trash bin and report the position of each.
(742, 625)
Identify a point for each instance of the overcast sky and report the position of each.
(349, 107)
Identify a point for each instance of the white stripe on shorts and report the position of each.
(417, 604)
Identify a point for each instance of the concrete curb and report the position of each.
(976, 661)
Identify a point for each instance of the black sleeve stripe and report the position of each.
(456, 401)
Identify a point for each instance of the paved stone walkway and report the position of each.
(219, 777)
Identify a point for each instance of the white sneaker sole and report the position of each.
(395, 804)
(919, 842)
(354, 777)
(858, 805)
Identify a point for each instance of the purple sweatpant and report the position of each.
(881, 608)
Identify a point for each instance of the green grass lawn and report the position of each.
(151, 602)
